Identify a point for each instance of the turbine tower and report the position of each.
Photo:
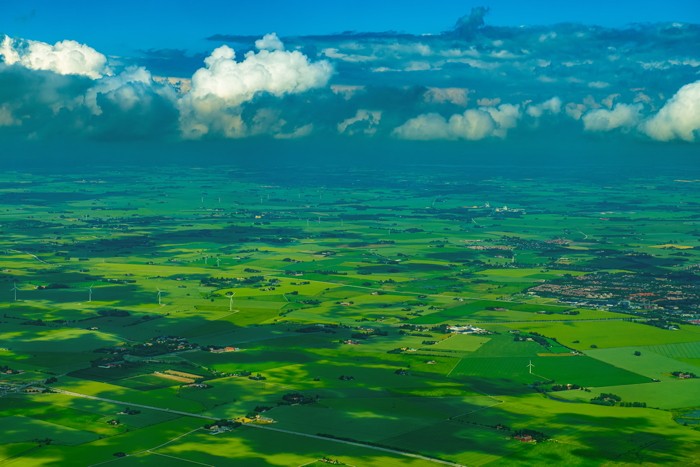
(14, 289)
(90, 293)
(230, 300)
(159, 294)
(530, 366)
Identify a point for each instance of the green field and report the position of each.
(328, 311)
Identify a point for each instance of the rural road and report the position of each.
(362, 445)
(131, 404)
(261, 427)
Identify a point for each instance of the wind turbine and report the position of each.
(90, 293)
(218, 262)
(530, 366)
(14, 289)
(159, 294)
(230, 300)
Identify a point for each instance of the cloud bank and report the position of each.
(474, 82)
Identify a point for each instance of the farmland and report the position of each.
(228, 314)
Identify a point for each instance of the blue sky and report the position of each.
(120, 26)
(559, 74)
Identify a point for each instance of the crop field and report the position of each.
(232, 316)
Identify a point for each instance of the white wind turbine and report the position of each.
(14, 289)
(160, 292)
(230, 300)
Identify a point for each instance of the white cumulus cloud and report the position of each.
(424, 127)
(276, 72)
(269, 42)
(679, 118)
(621, 116)
(224, 84)
(552, 106)
(64, 57)
(472, 124)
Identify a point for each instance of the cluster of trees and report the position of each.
(613, 399)
(366, 334)
(292, 398)
(606, 399)
(7, 370)
(633, 404)
(565, 387)
(258, 410)
(537, 436)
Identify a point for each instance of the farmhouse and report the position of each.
(224, 349)
(468, 329)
